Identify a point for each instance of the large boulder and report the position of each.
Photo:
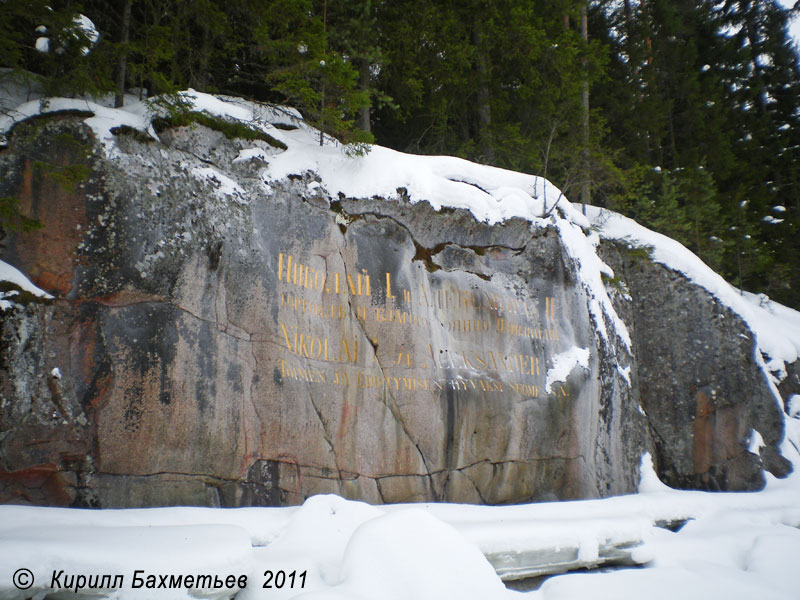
(222, 339)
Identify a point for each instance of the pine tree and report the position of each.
(304, 70)
(55, 47)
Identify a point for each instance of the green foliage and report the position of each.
(12, 220)
(46, 43)
(230, 129)
(137, 134)
(694, 126)
(67, 177)
(680, 204)
(307, 73)
(710, 94)
(639, 252)
(615, 283)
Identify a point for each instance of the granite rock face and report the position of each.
(219, 340)
(699, 385)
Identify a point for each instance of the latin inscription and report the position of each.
(316, 301)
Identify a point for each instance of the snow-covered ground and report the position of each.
(733, 545)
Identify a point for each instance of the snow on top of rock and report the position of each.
(777, 328)
(223, 185)
(756, 442)
(102, 121)
(350, 550)
(793, 406)
(564, 363)
(249, 154)
(15, 276)
(9, 274)
(625, 373)
(491, 194)
(649, 483)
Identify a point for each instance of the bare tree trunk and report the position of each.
(739, 264)
(122, 67)
(586, 180)
(628, 17)
(752, 38)
(322, 99)
(202, 64)
(363, 84)
(655, 151)
(485, 140)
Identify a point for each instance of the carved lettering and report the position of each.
(344, 351)
(476, 325)
(297, 373)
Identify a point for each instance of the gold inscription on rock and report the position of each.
(472, 319)
(304, 276)
(306, 345)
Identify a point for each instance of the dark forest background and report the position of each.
(683, 114)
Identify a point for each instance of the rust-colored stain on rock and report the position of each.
(47, 255)
(703, 432)
(40, 485)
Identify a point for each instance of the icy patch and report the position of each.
(564, 363)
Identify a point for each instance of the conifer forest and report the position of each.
(683, 114)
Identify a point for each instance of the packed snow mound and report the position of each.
(341, 549)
